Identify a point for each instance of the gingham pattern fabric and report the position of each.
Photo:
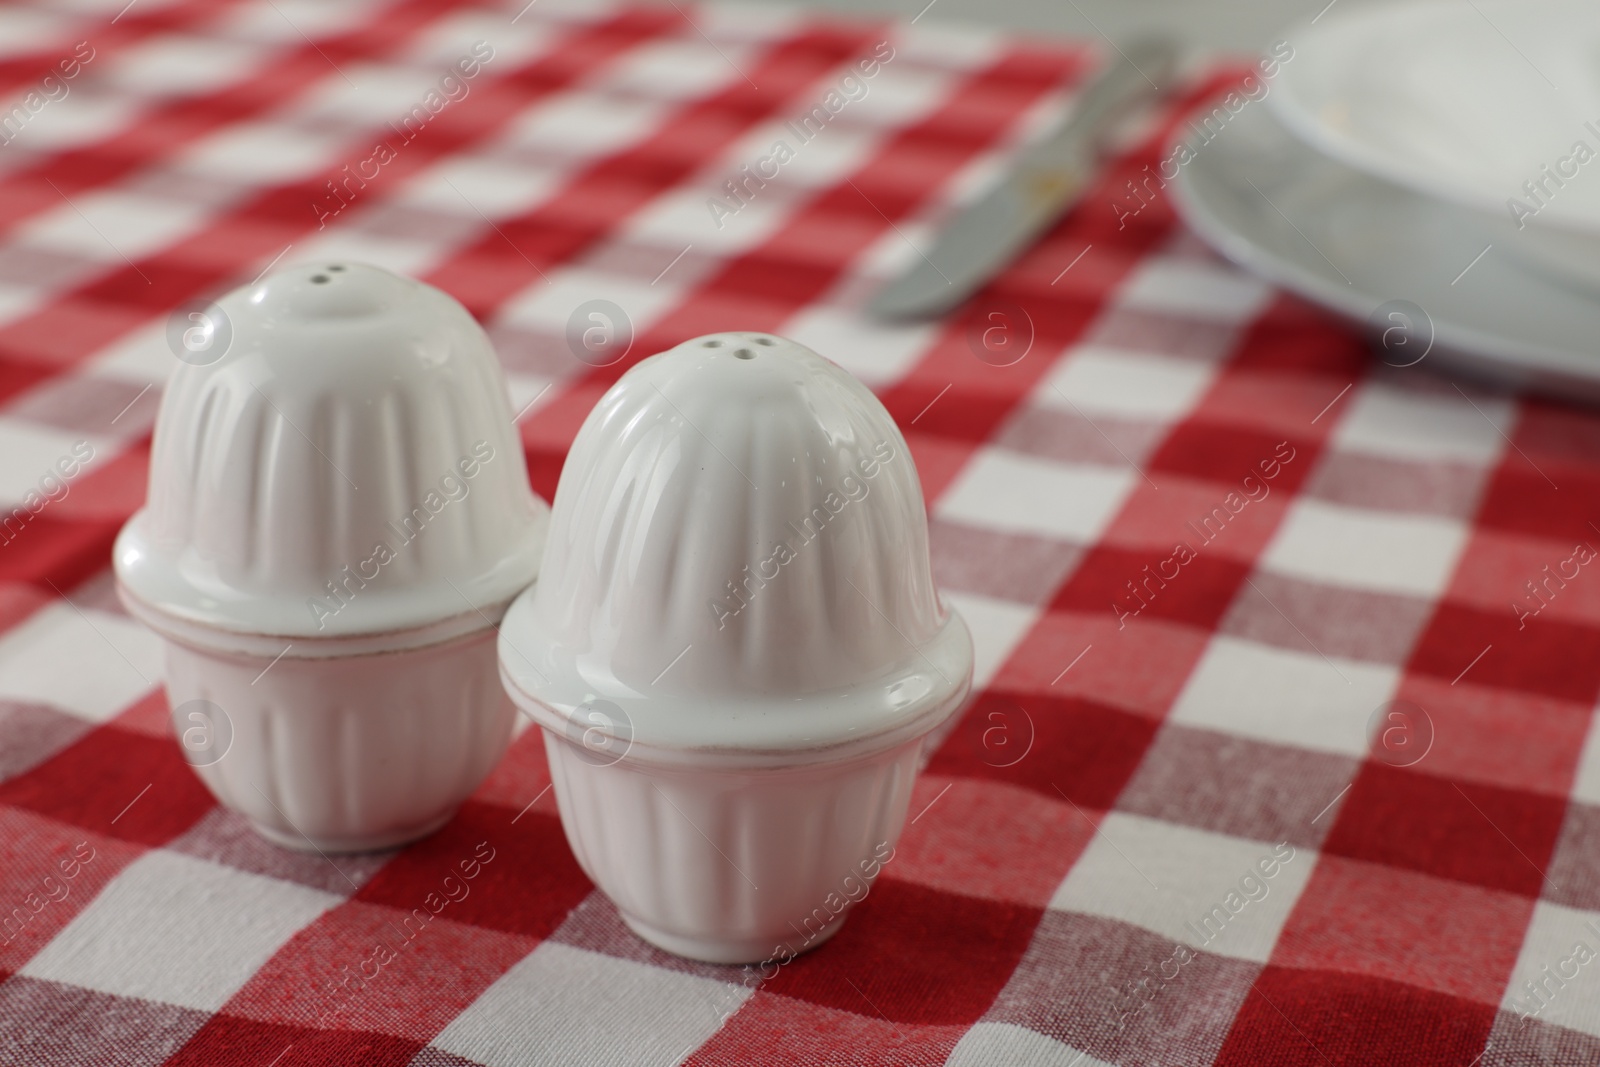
(1160, 834)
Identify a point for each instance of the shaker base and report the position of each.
(718, 950)
(360, 843)
(342, 753)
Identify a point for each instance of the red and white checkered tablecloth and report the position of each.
(1200, 541)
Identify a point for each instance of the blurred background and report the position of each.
(1219, 26)
(1375, 650)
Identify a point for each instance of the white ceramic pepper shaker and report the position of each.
(736, 648)
(338, 515)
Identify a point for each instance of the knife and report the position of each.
(1047, 180)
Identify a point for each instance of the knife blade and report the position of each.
(1044, 182)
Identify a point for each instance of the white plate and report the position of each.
(1358, 244)
(1468, 101)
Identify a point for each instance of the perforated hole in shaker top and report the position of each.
(745, 353)
(319, 279)
(337, 266)
(769, 342)
(713, 343)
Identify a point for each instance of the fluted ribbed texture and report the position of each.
(732, 864)
(763, 510)
(354, 752)
(344, 416)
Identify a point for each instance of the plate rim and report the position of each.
(1500, 356)
(1300, 118)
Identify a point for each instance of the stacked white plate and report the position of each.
(1432, 169)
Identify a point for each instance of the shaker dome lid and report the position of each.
(342, 463)
(738, 559)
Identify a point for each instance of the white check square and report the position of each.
(844, 148)
(680, 216)
(899, 95)
(1382, 420)
(182, 63)
(15, 300)
(949, 46)
(112, 226)
(451, 38)
(529, 393)
(31, 451)
(550, 306)
(568, 1005)
(178, 930)
(995, 1044)
(1098, 380)
(1384, 551)
(1557, 976)
(371, 95)
(34, 30)
(1586, 782)
(728, 24)
(141, 354)
(1196, 288)
(877, 353)
(344, 239)
(291, 22)
(1289, 698)
(1003, 490)
(476, 187)
(997, 626)
(581, 127)
(80, 119)
(253, 154)
(88, 663)
(672, 69)
(1209, 891)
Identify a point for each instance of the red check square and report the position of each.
(1297, 1018)
(1402, 926)
(1094, 748)
(1531, 578)
(49, 872)
(527, 880)
(780, 1031)
(380, 970)
(1549, 657)
(1518, 741)
(1521, 499)
(1186, 510)
(991, 839)
(1138, 585)
(116, 783)
(1224, 453)
(1140, 667)
(228, 1039)
(895, 955)
(1270, 401)
(1479, 834)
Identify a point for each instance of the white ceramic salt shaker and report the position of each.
(736, 648)
(338, 515)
